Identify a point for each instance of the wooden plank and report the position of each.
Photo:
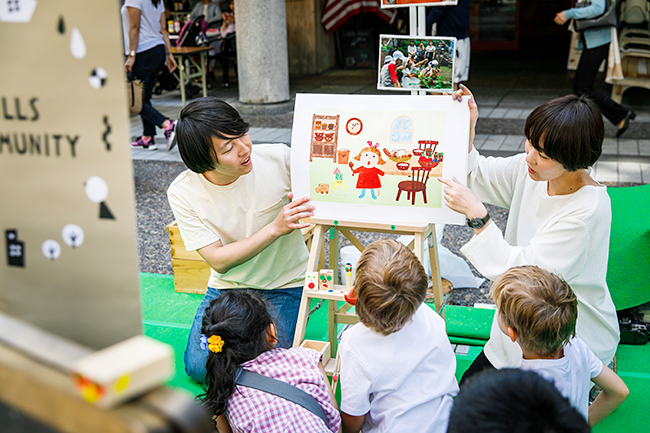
(436, 278)
(352, 238)
(190, 276)
(334, 255)
(372, 227)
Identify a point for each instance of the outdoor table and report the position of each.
(182, 53)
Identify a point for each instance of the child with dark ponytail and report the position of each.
(238, 332)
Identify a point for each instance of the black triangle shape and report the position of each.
(104, 212)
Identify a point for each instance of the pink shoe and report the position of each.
(144, 144)
(170, 133)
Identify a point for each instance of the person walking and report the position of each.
(147, 47)
(594, 43)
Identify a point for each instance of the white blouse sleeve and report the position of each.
(558, 248)
(493, 180)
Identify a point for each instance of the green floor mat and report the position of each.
(628, 273)
(167, 316)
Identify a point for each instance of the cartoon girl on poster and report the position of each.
(368, 171)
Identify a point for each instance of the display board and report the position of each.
(406, 3)
(67, 218)
(377, 158)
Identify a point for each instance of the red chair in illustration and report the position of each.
(418, 182)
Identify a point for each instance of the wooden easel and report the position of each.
(340, 314)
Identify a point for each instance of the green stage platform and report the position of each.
(167, 316)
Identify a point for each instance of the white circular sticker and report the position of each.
(96, 189)
(72, 235)
(51, 249)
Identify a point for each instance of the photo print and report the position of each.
(405, 3)
(409, 63)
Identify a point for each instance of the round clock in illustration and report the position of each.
(354, 126)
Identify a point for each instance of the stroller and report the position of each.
(191, 35)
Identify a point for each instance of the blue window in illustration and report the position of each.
(402, 130)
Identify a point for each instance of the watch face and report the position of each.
(475, 223)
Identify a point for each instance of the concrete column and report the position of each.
(262, 60)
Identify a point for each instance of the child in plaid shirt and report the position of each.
(238, 331)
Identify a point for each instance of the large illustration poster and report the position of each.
(68, 260)
(377, 158)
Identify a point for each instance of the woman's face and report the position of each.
(540, 166)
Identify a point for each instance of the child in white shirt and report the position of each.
(397, 365)
(538, 310)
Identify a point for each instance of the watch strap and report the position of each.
(478, 223)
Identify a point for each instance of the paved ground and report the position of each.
(507, 86)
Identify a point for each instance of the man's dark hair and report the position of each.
(569, 130)
(513, 401)
(201, 120)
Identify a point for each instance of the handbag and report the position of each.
(607, 19)
(134, 90)
(281, 389)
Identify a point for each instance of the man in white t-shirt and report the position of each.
(234, 207)
(397, 365)
(539, 311)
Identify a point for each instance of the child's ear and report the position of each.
(512, 334)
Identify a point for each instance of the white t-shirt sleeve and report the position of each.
(194, 232)
(595, 365)
(558, 248)
(356, 385)
(133, 4)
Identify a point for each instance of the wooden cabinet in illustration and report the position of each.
(324, 137)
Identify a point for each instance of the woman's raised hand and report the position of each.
(473, 111)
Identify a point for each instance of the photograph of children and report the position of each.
(405, 3)
(416, 63)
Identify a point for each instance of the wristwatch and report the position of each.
(478, 223)
(131, 53)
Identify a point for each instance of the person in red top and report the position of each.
(368, 171)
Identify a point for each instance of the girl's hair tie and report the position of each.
(213, 344)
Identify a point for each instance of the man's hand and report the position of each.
(560, 18)
(128, 65)
(288, 218)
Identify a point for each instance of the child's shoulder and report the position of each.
(298, 356)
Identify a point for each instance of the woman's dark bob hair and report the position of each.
(201, 120)
(569, 130)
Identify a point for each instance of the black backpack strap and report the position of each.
(281, 389)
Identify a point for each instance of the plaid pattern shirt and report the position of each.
(250, 410)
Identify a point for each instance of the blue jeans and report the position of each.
(283, 306)
(146, 68)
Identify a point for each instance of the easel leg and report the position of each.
(334, 255)
(303, 312)
(331, 326)
(435, 272)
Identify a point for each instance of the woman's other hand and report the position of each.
(170, 61)
(560, 18)
(128, 65)
(461, 199)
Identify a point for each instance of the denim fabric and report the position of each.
(283, 306)
(146, 68)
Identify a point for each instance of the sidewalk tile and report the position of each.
(493, 142)
(629, 172)
(525, 113)
(628, 147)
(484, 112)
(606, 171)
(497, 113)
(610, 146)
(642, 117)
(644, 147)
(513, 143)
(513, 113)
(645, 172)
(479, 139)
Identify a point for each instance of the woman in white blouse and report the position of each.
(559, 217)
